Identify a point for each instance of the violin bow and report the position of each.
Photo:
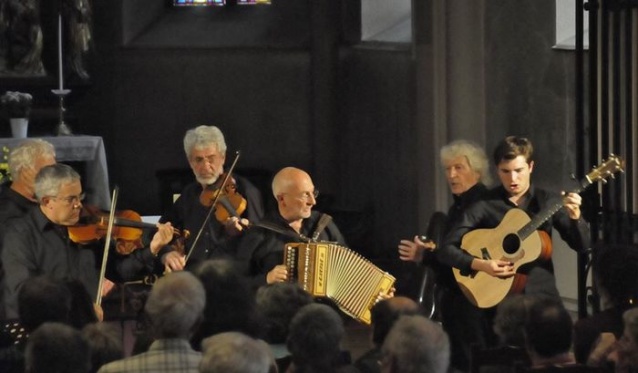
(107, 245)
(212, 207)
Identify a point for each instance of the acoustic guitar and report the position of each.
(517, 240)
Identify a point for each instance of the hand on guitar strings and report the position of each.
(572, 202)
(496, 268)
(278, 274)
(412, 251)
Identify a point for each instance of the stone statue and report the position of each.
(21, 38)
(77, 16)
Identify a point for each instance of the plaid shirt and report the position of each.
(164, 355)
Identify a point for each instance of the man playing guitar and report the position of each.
(514, 162)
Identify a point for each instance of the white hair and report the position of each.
(203, 137)
(475, 155)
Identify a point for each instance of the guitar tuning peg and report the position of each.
(572, 176)
(604, 181)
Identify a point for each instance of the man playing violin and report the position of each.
(17, 197)
(261, 250)
(38, 243)
(205, 149)
(25, 160)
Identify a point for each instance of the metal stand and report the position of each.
(63, 129)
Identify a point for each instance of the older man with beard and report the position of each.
(205, 149)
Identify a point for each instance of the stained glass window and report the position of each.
(251, 2)
(217, 2)
(199, 2)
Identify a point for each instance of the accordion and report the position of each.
(338, 273)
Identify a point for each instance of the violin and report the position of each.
(222, 198)
(127, 227)
(230, 202)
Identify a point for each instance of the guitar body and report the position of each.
(502, 242)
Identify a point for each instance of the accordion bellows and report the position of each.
(336, 272)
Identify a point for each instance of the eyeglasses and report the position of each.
(201, 160)
(71, 200)
(306, 195)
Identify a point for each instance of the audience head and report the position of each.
(205, 149)
(548, 330)
(234, 352)
(386, 312)
(295, 193)
(314, 339)
(82, 307)
(30, 156)
(510, 319)
(415, 344)
(615, 267)
(57, 348)
(278, 303)
(465, 165)
(59, 191)
(230, 304)
(175, 305)
(104, 343)
(43, 299)
(628, 347)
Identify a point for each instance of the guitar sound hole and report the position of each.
(511, 243)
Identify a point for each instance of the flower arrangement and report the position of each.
(4, 165)
(18, 104)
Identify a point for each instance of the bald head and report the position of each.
(295, 193)
(287, 178)
(402, 304)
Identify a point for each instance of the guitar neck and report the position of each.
(546, 214)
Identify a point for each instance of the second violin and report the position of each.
(127, 226)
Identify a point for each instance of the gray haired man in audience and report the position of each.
(234, 352)
(174, 308)
(415, 344)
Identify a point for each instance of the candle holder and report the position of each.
(62, 129)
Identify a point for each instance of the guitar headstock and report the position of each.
(607, 169)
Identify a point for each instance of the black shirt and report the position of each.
(454, 215)
(12, 204)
